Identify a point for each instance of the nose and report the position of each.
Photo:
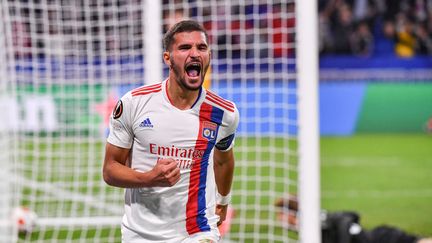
(194, 52)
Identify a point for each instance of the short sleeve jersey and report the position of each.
(146, 122)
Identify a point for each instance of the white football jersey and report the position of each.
(146, 122)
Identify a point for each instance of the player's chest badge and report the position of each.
(209, 130)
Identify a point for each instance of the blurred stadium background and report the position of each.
(375, 106)
(375, 111)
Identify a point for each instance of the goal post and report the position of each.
(152, 39)
(68, 62)
(7, 230)
(307, 79)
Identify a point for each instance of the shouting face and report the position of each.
(188, 59)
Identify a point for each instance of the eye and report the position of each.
(202, 48)
(184, 47)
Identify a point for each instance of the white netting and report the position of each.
(67, 62)
(252, 46)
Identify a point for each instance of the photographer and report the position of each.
(344, 226)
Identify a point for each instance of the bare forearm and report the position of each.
(224, 176)
(165, 173)
(117, 171)
(224, 171)
(119, 175)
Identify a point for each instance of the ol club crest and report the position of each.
(209, 130)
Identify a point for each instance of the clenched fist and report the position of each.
(165, 173)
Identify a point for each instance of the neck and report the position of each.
(181, 97)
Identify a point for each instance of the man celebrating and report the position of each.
(170, 146)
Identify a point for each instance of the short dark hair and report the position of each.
(182, 26)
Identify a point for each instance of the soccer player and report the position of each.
(171, 146)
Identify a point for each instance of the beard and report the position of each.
(180, 75)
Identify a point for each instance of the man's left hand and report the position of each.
(221, 210)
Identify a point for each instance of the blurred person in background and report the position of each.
(405, 38)
(362, 40)
(424, 40)
(342, 30)
(344, 226)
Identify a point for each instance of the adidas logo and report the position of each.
(146, 123)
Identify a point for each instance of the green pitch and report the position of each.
(386, 178)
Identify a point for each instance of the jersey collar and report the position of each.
(198, 101)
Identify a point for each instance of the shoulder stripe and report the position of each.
(147, 90)
(220, 99)
(144, 92)
(220, 104)
(147, 87)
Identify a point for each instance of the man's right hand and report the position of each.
(165, 173)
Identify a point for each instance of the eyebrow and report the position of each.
(185, 45)
(190, 45)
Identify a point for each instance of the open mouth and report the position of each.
(193, 70)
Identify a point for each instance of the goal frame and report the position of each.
(307, 137)
(307, 80)
(308, 113)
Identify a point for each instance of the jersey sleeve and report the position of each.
(120, 125)
(228, 131)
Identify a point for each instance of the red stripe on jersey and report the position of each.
(219, 100)
(192, 207)
(217, 97)
(220, 104)
(144, 92)
(146, 88)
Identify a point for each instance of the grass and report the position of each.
(385, 178)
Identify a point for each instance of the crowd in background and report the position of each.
(375, 27)
(346, 27)
(241, 29)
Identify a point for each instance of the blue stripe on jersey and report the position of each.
(216, 117)
(199, 96)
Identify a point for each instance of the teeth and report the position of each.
(193, 69)
(194, 65)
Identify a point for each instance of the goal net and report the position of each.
(65, 64)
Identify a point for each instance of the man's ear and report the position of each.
(167, 58)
